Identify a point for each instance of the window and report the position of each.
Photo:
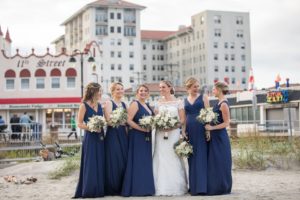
(55, 83)
(119, 54)
(119, 66)
(226, 57)
(24, 83)
(144, 57)
(232, 69)
(215, 45)
(162, 47)
(119, 16)
(243, 57)
(243, 69)
(112, 15)
(112, 54)
(232, 80)
(243, 46)
(112, 29)
(71, 82)
(131, 67)
(119, 29)
(153, 57)
(239, 33)
(216, 57)
(232, 57)
(101, 30)
(154, 78)
(225, 45)
(226, 69)
(112, 79)
(201, 20)
(131, 42)
(216, 68)
(112, 67)
(153, 47)
(145, 67)
(153, 67)
(131, 54)
(129, 31)
(217, 32)
(217, 19)
(232, 45)
(162, 68)
(10, 84)
(119, 42)
(243, 80)
(144, 46)
(131, 79)
(239, 20)
(161, 57)
(40, 83)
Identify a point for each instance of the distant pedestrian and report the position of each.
(15, 127)
(73, 127)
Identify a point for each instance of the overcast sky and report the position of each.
(274, 24)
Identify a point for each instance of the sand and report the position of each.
(268, 184)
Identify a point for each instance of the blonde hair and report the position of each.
(170, 85)
(140, 86)
(113, 86)
(223, 87)
(189, 82)
(90, 90)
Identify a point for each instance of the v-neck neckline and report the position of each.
(146, 109)
(194, 100)
(93, 108)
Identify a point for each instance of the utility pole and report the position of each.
(139, 74)
(170, 69)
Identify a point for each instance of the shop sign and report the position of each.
(281, 96)
(37, 106)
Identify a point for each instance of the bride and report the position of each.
(168, 169)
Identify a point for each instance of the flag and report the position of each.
(251, 80)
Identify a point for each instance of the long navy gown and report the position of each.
(91, 178)
(116, 150)
(198, 160)
(139, 179)
(219, 159)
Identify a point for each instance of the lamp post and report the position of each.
(73, 60)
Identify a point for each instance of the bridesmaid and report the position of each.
(116, 145)
(91, 178)
(196, 134)
(219, 151)
(139, 179)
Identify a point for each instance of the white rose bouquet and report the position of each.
(207, 116)
(164, 121)
(96, 123)
(118, 117)
(183, 148)
(147, 123)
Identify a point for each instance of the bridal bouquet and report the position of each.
(183, 148)
(96, 123)
(118, 117)
(147, 123)
(164, 121)
(207, 115)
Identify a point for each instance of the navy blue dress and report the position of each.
(198, 160)
(139, 179)
(116, 150)
(91, 178)
(219, 159)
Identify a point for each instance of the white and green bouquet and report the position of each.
(118, 117)
(146, 122)
(207, 116)
(164, 121)
(183, 148)
(96, 123)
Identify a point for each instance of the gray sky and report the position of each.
(274, 24)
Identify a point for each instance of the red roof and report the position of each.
(157, 35)
(40, 100)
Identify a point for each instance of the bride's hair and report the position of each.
(170, 85)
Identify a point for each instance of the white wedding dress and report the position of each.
(170, 177)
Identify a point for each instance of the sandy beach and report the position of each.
(268, 184)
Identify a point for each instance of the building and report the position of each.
(216, 46)
(115, 26)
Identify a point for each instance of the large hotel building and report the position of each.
(215, 46)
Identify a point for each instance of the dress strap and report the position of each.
(224, 101)
(123, 104)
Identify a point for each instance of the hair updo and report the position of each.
(223, 87)
(189, 82)
(90, 90)
(170, 85)
(113, 87)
